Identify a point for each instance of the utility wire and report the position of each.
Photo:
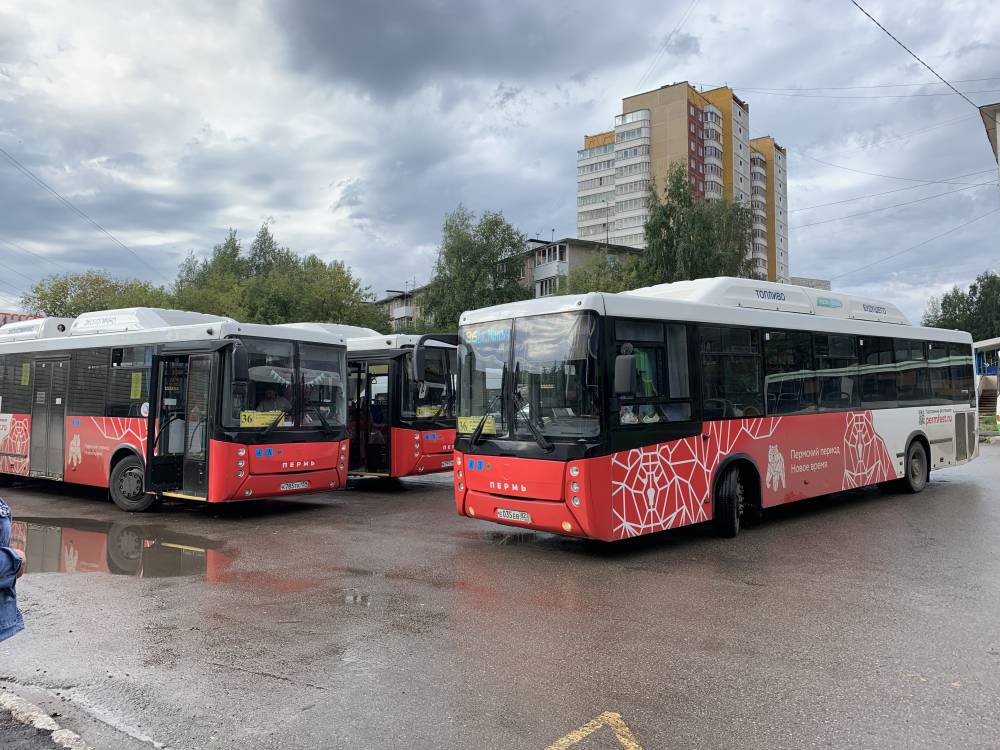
(914, 55)
(919, 244)
(855, 88)
(38, 180)
(666, 43)
(34, 255)
(894, 205)
(878, 195)
(901, 136)
(876, 174)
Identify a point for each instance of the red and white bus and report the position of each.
(401, 402)
(613, 415)
(235, 411)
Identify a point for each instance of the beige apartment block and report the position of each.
(709, 132)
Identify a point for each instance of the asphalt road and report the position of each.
(377, 618)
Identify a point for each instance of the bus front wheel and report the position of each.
(728, 503)
(126, 486)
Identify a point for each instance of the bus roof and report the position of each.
(735, 301)
(134, 326)
(390, 341)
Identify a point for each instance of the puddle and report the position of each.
(76, 545)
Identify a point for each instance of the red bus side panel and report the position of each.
(15, 442)
(667, 485)
(92, 441)
(421, 452)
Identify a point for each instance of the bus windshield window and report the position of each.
(434, 398)
(271, 390)
(483, 352)
(323, 395)
(555, 375)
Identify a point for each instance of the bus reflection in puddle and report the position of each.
(54, 545)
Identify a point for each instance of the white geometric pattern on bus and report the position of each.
(15, 438)
(120, 429)
(662, 486)
(866, 459)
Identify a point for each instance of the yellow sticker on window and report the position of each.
(430, 411)
(378, 369)
(25, 373)
(469, 424)
(258, 418)
(135, 392)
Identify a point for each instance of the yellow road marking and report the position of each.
(607, 719)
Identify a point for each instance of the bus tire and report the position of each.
(126, 486)
(915, 469)
(728, 503)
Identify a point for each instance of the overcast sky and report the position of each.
(354, 127)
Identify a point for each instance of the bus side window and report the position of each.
(836, 356)
(962, 387)
(789, 377)
(913, 385)
(730, 370)
(940, 375)
(878, 373)
(663, 384)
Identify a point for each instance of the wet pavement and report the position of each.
(379, 618)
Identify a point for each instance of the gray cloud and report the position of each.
(356, 126)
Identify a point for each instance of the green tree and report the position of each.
(69, 295)
(976, 309)
(689, 238)
(214, 284)
(478, 265)
(605, 273)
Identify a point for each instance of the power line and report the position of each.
(666, 42)
(878, 195)
(858, 87)
(914, 54)
(38, 180)
(767, 92)
(33, 255)
(919, 244)
(876, 174)
(901, 136)
(894, 205)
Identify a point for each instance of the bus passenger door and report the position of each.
(48, 412)
(180, 423)
(356, 415)
(377, 449)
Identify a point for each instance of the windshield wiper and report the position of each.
(478, 432)
(326, 425)
(267, 430)
(543, 442)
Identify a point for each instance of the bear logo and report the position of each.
(775, 468)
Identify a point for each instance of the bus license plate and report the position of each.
(293, 486)
(513, 515)
(447, 464)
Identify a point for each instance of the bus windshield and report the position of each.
(434, 398)
(291, 385)
(552, 366)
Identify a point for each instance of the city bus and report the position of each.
(401, 402)
(156, 404)
(610, 416)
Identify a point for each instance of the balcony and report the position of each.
(554, 268)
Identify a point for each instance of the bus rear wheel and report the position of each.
(728, 503)
(915, 469)
(127, 486)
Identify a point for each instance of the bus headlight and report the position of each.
(574, 471)
(241, 451)
(241, 463)
(461, 486)
(240, 474)
(574, 486)
(576, 501)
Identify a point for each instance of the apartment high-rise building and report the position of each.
(769, 200)
(709, 132)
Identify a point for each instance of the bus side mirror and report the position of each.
(626, 376)
(241, 364)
